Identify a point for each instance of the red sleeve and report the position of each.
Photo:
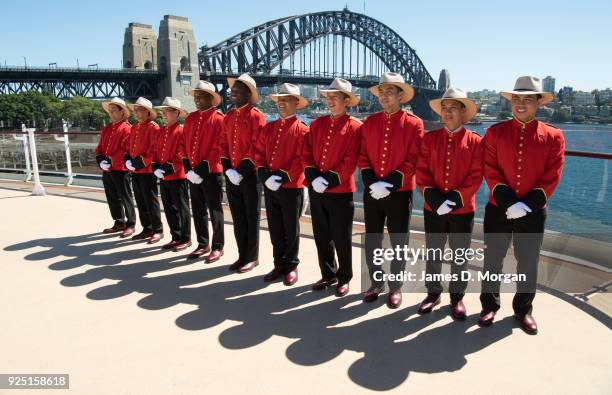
(103, 136)
(125, 138)
(408, 167)
(347, 165)
(492, 175)
(307, 153)
(223, 138)
(424, 177)
(257, 125)
(471, 183)
(259, 149)
(538, 196)
(364, 161)
(294, 167)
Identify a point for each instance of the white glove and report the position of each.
(319, 184)
(379, 190)
(517, 210)
(194, 178)
(104, 165)
(128, 164)
(159, 173)
(445, 207)
(234, 177)
(274, 182)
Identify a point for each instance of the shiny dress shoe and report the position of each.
(214, 256)
(127, 232)
(458, 310)
(372, 293)
(247, 267)
(273, 275)
(155, 237)
(170, 246)
(198, 252)
(181, 245)
(145, 234)
(428, 304)
(291, 277)
(235, 266)
(528, 324)
(394, 300)
(114, 229)
(342, 289)
(323, 283)
(486, 318)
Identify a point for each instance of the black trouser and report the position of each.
(175, 198)
(283, 210)
(245, 204)
(207, 197)
(145, 191)
(457, 229)
(395, 209)
(332, 224)
(526, 235)
(119, 197)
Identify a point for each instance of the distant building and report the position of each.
(548, 84)
(565, 94)
(444, 80)
(582, 98)
(605, 96)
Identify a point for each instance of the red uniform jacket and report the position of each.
(142, 144)
(390, 149)
(241, 128)
(450, 167)
(523, 162)
(331, 151)
(168, 154)
(279, 151)
(201, 134)
(114, 143)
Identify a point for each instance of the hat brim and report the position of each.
(302, 102)
(152, 113)
(354, 99)
(252, 88)
(215, 95)
(106, 106)
(471, 109)
(406, 88)
(182, 113)
(547, 97)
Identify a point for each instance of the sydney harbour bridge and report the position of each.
(309, 49)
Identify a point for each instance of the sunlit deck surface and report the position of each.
(124, 317)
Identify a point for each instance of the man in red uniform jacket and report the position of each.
(202, 163)
(113, 144)
(138, 160)
(241, 128)
(168, 168)
(449, 173)
(523, 161)
(330, 156)
(278, 157)
(389, 151)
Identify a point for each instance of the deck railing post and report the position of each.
(38, 189)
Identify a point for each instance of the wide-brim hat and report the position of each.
(117, 102)
(455, 94)
(145, 103)
(528, 85)
(390, 78)
(208, 87)
(249, 82)
(287, 89)
(342, 85)
(174, 103)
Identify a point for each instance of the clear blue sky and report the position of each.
(484, 44)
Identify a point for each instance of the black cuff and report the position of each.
(434, 198)
(155, 166)
(126, 157)
(535, 199)
(186, 165)
(245, 167)
(455, 196)
(167, 168)
(332, 179)
(138, 163)
(504, 197)
(395, 178)
(202, 169)
(310, 173)
(226, 163)
(283, 174)
(100, 158)
(263, 173)
(368, 177)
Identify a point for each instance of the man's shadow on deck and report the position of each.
(323, 326)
